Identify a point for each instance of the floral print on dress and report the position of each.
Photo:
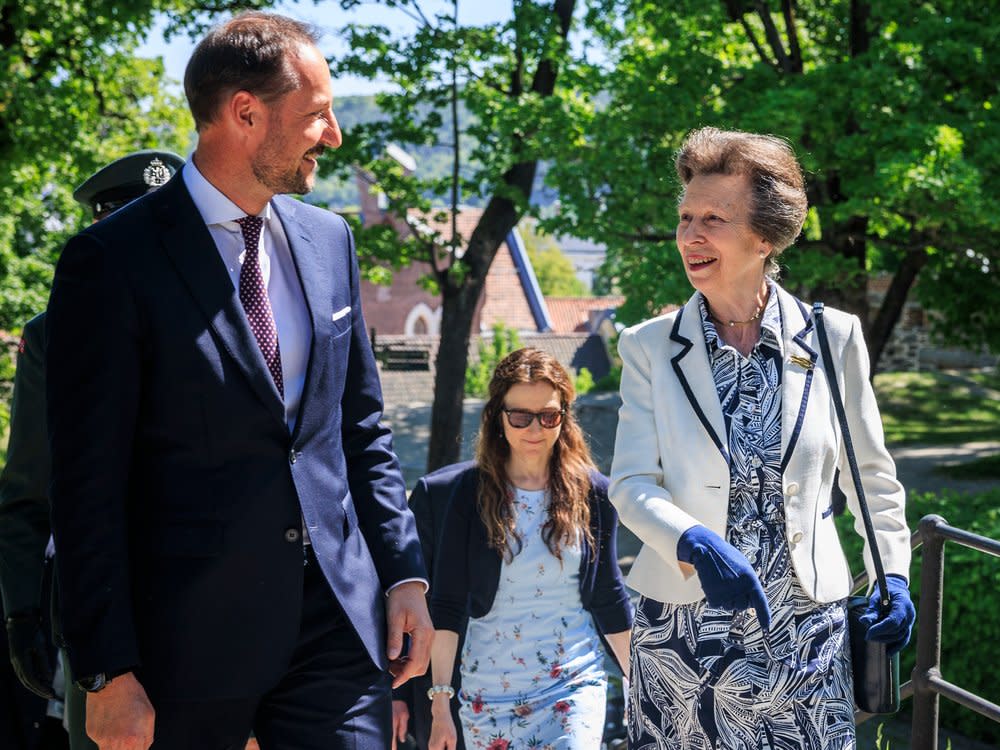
(545, 686)
(704, 678)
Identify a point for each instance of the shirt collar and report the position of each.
(770, 322)
(212, 204)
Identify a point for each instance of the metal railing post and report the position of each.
(929, 616)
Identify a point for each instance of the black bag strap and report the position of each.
(838, 405)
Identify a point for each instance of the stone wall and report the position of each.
(910, 348)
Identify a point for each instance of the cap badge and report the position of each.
(156, 174)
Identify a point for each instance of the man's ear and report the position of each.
(245, 111)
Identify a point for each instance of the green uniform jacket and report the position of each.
(24, 482)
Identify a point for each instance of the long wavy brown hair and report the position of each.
(569, 467)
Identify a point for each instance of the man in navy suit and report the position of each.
(233, 543)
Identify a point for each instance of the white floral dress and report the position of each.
(707, 679)
(533, 667)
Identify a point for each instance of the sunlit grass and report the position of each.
(939, 407)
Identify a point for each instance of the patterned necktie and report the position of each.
(253, 295)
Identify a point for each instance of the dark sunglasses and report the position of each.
(521, 418)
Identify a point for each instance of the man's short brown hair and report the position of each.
(250, 52)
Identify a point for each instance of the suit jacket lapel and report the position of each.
(797, 371)
(314, 276)
(193, 252)
(694, 372)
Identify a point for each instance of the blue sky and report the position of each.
(329, 17)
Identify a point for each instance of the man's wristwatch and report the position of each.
(97, 682)
(94, 683)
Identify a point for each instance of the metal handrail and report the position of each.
(927, 680)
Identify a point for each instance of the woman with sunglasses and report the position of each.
(527, 570)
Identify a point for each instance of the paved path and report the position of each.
(917, 466)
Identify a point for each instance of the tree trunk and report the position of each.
(847, 239)
(459, 309)
(460, 302)
(892, 306)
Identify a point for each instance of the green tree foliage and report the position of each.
(889, 105)
(503, 76)
(339, 190)
(74, 97)
(553, 269)
(8, 357)
(583, 382)
(478, 374)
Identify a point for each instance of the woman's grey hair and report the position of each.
(778, 202)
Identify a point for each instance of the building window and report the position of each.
(423, 321)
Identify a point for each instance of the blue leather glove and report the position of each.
(894, 629)
(727, 578)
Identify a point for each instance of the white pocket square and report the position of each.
(341, 313)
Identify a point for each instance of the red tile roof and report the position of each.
(571, 314)
(504, 299)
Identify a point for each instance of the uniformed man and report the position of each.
(24, 482)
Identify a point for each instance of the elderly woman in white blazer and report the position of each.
(724, 465)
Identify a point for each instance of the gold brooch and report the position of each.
(802, 362)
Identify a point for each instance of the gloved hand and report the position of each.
(728, 579)
(894, 629)
(29, 653)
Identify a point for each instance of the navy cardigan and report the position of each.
(467, 569)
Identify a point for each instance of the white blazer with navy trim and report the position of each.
(671, 464)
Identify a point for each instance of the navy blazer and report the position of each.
(429, 503)
(178, 493)
(467, 569)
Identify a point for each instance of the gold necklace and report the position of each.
(734, 323)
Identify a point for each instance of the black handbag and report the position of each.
(876, 674)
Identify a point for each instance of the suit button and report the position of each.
(292, 535)
(292, 456)
(792, 489)
(796, 537)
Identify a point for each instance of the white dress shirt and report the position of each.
(288, 303)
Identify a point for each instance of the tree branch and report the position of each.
(792, 32)
(645, 237)
(456, 135)
(517, 73)
(423, 16)
(773, 37)
(860, 37)
(756, 43)
(430, 247)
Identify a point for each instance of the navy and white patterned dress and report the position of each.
(704, 678)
